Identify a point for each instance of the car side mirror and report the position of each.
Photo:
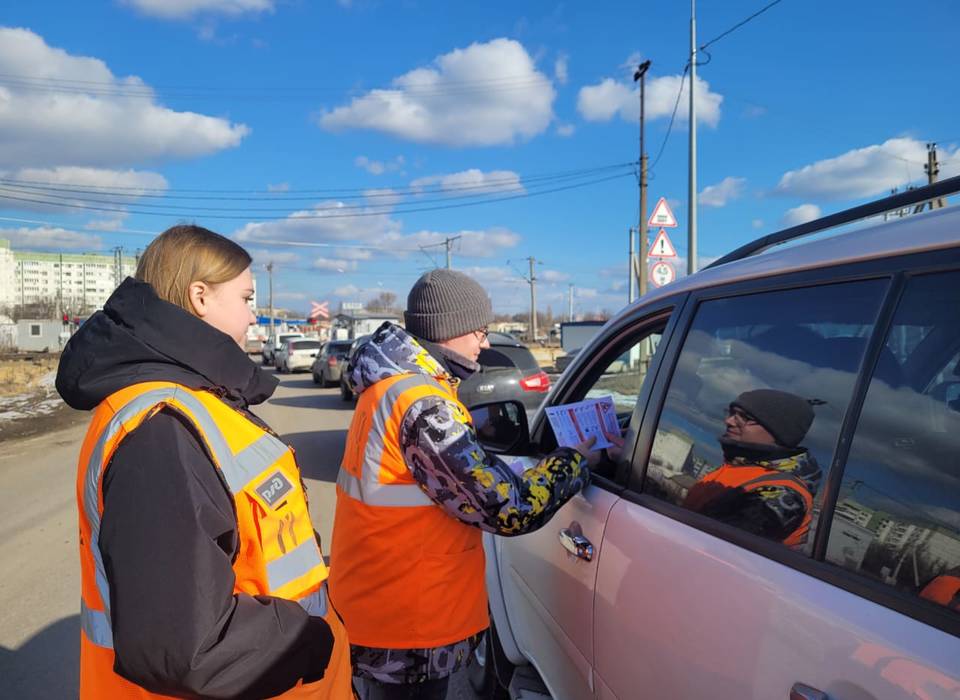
(501, 427)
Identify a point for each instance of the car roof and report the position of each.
(935, 230)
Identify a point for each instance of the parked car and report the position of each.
(634, 590)
(297, 354)
(273, 344)
(508, 370)
(331, 362)
(346, 393)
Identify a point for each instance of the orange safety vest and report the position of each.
(278, 554)
(945, 590)
(755, 478)
(404, 573)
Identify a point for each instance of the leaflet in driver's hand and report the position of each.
(574, 423)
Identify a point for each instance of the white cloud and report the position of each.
(757, 223)
(379, 167)
(483, 95)
(471, 244)
(560, 69)
(353, 253)
(801, 215)
(610, 97)
(100, 120)
(279, 187)
(334, 265)
(46, 185)
(862, 172)
(50, 238)
(185, 9)
(472, 181)
(110, 224)
(290, 296)
(383, 196)
(565, 129)
(263, 256)
(718, 195)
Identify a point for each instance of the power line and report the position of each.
(673, 116)
(359, 214)
(130, 190)
(739, 24)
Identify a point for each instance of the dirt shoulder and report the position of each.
(29, 404)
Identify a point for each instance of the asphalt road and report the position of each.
(39, 618)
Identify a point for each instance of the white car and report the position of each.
(273, 345)
(634, 590)
(297, 354)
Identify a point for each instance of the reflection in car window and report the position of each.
(897, 518)
(755, 405)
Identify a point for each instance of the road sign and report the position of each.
(662, 273)
(662, 247)
(319, 310)
(351, 306)
(662, 216)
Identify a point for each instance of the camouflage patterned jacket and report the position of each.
(441, 450)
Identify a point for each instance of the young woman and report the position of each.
(201, 574)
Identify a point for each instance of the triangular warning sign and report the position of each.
(662, 247)
(662, 216)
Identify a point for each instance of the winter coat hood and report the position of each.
(139, 337)
(391, 351)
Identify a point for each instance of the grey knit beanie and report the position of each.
(445, 304)
(787, 417)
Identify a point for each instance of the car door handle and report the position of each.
(799, 691)
(578, 545)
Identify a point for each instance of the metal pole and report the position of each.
(642, 223)
(448, 241)
(533, 300)
(631, 272)
(272, 332)
(692, 189)
(570, 302)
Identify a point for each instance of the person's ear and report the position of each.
(198, 293)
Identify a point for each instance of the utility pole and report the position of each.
(692, 187)
(447, 244)
(570, 302)
(272, 332)
(631, 270)
(932, 169)
(642, 223)
(533, 299)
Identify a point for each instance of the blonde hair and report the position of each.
(185, 254)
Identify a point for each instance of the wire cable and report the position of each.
(739, 24)
(673, 116)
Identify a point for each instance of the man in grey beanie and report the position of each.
(416, 489)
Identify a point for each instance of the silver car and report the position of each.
(662, 581)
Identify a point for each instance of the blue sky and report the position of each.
(326, 123)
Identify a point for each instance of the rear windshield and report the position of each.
(305, 345)
(339, 349)
(287, 337)
(508, 356)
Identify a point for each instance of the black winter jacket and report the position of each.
(169, 533)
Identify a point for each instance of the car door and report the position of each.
(547, 589)
(693, 602)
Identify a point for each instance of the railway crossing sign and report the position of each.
(662, 247)
(662, 216)
(662, 273)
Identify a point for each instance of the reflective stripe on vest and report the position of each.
(238, 470)
(368, 488)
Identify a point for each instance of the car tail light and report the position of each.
(536, 382)
(331, 361)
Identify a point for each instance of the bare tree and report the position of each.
(385, 301)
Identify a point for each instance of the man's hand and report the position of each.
(589, 454)
(615, 451)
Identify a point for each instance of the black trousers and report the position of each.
(428, 690)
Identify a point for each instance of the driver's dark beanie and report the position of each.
(787, 417)
(445, 304)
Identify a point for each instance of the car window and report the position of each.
(624, 373)
(897, 518)
(508, 356)
(755, 404)
(305, 345)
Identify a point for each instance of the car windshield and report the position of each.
(338, 350)
(305, 345)
(508, 356)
